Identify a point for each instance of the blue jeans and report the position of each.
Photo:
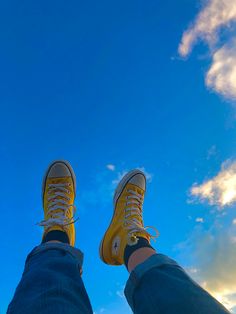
(51, 283)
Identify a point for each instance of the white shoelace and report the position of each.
(134, 208)
(55, 203)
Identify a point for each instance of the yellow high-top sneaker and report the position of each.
(58, 194)
(127, 222)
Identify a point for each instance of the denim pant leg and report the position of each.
(161, 286)
(51, 282)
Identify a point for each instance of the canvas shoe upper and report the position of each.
(58, 195)
(127, 221)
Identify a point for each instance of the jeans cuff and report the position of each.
(76, 253)
(156, 260)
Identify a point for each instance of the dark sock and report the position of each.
(56, 235)
(130, 249)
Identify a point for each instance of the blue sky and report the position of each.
(101, 83)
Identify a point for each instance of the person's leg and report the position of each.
(157, 284)
(51, 282)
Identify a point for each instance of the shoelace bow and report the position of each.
(58, 206)
(133, 217)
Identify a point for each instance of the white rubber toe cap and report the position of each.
(136, 177)
(139, 180)
(59, 170)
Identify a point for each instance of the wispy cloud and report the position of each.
(213, 249)
(120, 293)
(212, 151)
(117, 307)
(119, 176)
(111, 167)
(102, 186)
(219, 190)
(99, 192)
(215, 16)
(214, 255)
(199, 219)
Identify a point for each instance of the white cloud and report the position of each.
(221, 189)
(215, 16)
(199, 219)
(219, 272)
(234, 221)
(228, 299)
(111, 167)
(222, 74)
(213, 253)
